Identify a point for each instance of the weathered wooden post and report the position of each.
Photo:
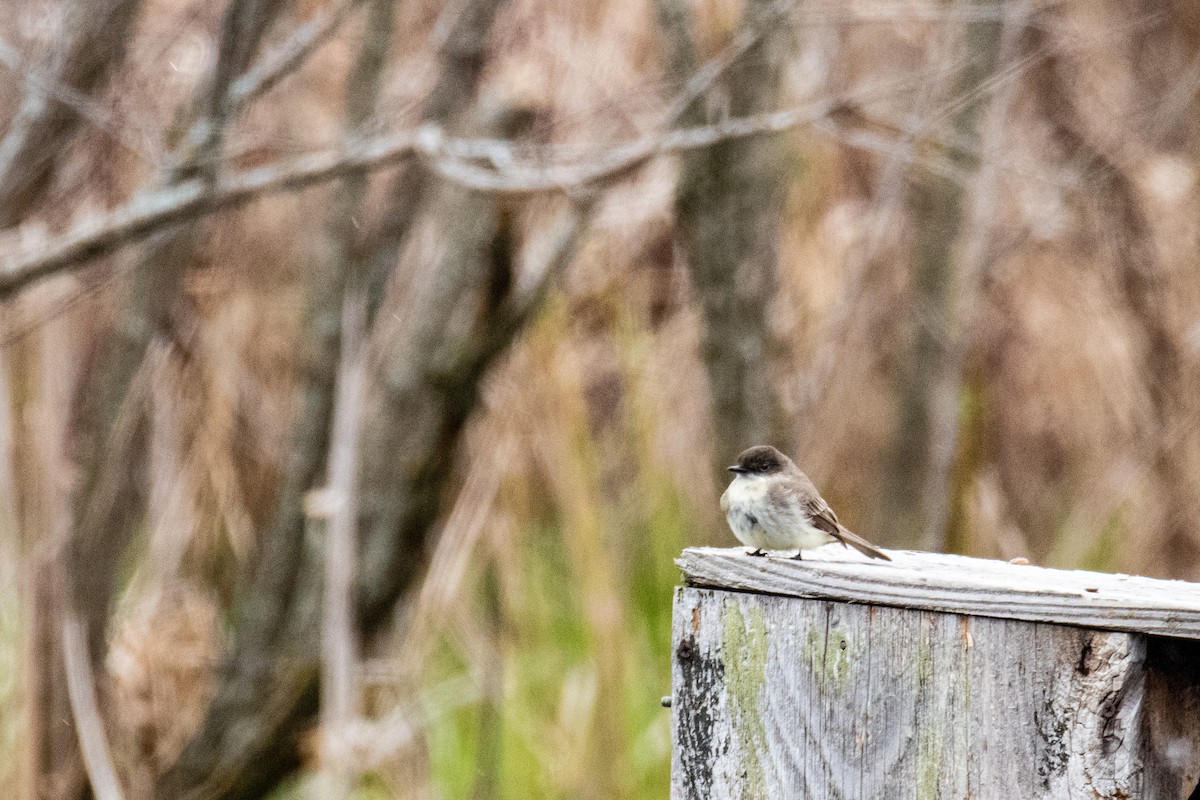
(932, 676)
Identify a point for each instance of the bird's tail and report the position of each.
(849, 537)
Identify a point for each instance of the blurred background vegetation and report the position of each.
(362, 475)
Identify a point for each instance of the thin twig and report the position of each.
(707, 74)
(84, 104)
(34, 258)
(98, 236)
(49, 117)
(81, 692)
(532, 179)
(456, 544)
(340, 698)
(289, 55)
(101, 235)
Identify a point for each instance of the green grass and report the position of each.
(560, 712)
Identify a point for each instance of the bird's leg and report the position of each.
(798, 556)
(758, 551)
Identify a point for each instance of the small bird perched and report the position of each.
(772, 505)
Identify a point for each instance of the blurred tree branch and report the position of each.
(278, 612)
(100, 235)
(269, 691)
(341, 698)
(45, 123)
(461, 59)
(287, 57)
(428, 395)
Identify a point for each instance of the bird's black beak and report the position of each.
(737, 468)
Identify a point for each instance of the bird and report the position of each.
(772, 505)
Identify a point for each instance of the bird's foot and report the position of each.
(799, 556)
(758, 551)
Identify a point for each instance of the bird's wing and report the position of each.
(803, 497)
(821, 515)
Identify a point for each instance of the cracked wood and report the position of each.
(785, 697)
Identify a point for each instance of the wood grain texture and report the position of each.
(958, 584)
(781, 698)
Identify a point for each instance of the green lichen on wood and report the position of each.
(744, 643)
(929, 758)
(831, 654)
(839, 659)
(814, 648)
(930, 735)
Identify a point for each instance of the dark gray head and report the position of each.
(760, 460)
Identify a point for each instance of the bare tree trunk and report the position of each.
(269, 693)
(956, 424)
(268, 698)
(728, 204)
(109, 428)
(96, 38)
(460, 61)
(395, 524)
(275, 653)
(916, 494)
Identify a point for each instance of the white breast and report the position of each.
(759, 523)
(746, 490)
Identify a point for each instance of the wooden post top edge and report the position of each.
(959, 584)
